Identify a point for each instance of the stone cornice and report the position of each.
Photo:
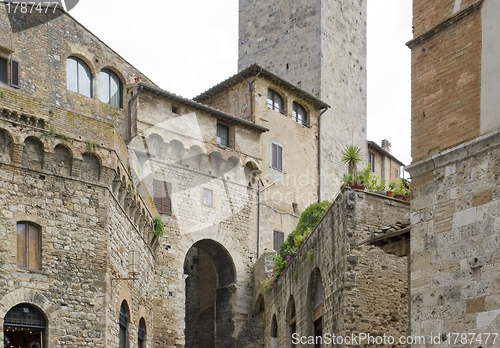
(460, 152)
(443, 25)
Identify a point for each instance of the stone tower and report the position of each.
(456, 160)
(320, 46)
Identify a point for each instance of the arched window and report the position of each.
(29, 250)
(299, 114)
(21, 320)
(317, 308)
(110, 88)
(274, 332)
(141, 333)
(79, 76)
(274, 101)
(124, 320)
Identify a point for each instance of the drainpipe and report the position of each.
(141, 88)
(319, 152)
(258, 217)
(250, 88)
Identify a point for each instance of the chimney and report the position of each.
(386, 145)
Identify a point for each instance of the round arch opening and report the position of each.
(210, 293)
(25, 327)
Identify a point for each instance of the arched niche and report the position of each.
(91, 167)
(63, 159)
(5, 146)
(32, 157)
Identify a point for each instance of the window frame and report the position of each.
(371, 160)
(277, 236)
(141, 333)
(6, 81)
(208, 199)
(26, 263)
(226, 128)
(110, 74)
(80, 62)
(163, 203)
(123, 323)
(296, 107)
(272, 98)
(279, 164)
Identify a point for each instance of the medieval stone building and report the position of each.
(92, 152)
(455, 149)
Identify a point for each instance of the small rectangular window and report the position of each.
(277, 157)
(278, 239)
(161, 196)
(28, 246)
(222, 134)
(3, 70)
(371, 160)
(207, 197)
(14, 73)
(175, 110)
(397, 173)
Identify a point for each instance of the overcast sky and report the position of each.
(188, 46)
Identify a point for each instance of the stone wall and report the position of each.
(454, 240)
(364, 288)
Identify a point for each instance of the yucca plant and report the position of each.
(351, 156)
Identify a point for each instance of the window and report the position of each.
(3, 70)
(124, 318)
(161, 196)
(29, 245)
(175, 110)
(278, 239)
(371, 160)
(299, 114)
(277, 157)
(274, 101)
(222, 134)
(141, 333)
(79, 76)
(397, 173)
(207, 197)
(110, 88)
(14, 73)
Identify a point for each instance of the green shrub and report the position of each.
(159, 226)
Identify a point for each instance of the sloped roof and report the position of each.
(222, 116)
(380, 149)
(253, 70)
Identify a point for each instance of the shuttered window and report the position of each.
(278, 239)
(161, 196)
(14, 73)
(29, 246)
(277, 157)
(3, 70)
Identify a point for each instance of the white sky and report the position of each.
(188, 46)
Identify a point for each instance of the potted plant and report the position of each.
(398, 187)
(351, 156)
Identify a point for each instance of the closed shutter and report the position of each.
(278, 239)
(167, 203)
(14, 73)
(280, 159)
(161, 196)
(274, 156)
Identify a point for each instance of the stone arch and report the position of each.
(315, 303)
(209, 314)
(175, 150)
(5, 146)
(63, 159)
(31, 297)
(217, 163)
(274, 332)
(33, 151)
(252, 173)
(260, 304)
(232, 167)
(155, 144)
(291, 319)
(194, 157)
(91, 167)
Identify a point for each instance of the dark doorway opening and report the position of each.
(24, 327)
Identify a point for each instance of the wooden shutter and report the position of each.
(278, 239)
(280, 159)
(34, 259)
(157, 194)
(21, 244)
(166, 202)
(14, 73)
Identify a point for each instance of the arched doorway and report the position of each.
(210, 290)
(317, 307)
(24, 327)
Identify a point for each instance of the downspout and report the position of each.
(319, 152)
(141, 88)
(250, 88)
(258, 217)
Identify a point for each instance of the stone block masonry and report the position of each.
(364, 289)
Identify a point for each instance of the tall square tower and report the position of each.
(320, 46)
